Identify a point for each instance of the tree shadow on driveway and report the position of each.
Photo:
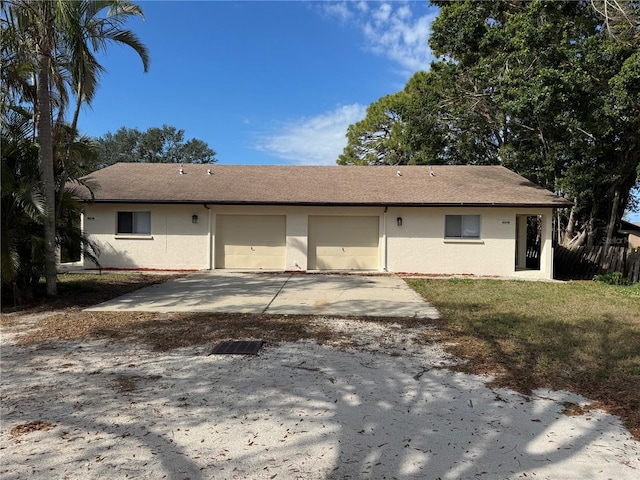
(297, 410)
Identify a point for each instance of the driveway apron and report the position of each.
(278, 293)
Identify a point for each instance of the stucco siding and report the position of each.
(297, 243)
(417, 244)
(175, 242)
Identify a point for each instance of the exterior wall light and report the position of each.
(194, 218)
(399, 221)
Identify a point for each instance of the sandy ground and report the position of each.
(94, 409)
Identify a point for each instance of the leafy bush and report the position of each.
(614, 278)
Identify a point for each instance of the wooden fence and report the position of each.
(584, 263)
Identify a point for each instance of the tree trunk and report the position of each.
(64, 174)
(612, 219)
(577, 241)
(45, 159)
(569, 233)
(591, 228)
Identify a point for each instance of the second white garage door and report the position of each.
(343, 243)
(251, 241)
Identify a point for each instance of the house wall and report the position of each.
(417, 246)
(174, 243)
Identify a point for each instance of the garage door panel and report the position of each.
(343, 243)
(253, 262)
(251, 250)
(344, 263)
(251, 241)
(352, 239)
(331, 251)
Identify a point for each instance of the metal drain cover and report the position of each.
(237, 347)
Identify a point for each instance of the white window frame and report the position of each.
(464, 235)
(137, 223)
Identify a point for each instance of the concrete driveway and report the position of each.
(278, 293)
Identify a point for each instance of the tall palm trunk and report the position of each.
(64, 35)
(45, 162)
(64, 174)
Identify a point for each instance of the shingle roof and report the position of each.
(629, 227)
(321, 185)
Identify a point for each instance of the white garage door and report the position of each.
(343, 243)
(251, 241)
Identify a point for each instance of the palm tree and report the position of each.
(61, 36)
(41, 16)
(23, 206)
(89, 33)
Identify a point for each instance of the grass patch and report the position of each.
(579, 336)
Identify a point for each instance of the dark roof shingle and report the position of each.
(317, 185)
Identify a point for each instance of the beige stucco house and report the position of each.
(406, 219)
(632, 232)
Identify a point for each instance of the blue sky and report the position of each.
(261, 82)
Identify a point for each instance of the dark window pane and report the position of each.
(453, 226)
(125, 222)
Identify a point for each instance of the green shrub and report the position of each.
(614, 278)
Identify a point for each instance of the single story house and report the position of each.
(630, 231)
(440, 220)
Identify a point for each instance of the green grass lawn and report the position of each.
(579, 336)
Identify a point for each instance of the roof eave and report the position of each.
(565, 204)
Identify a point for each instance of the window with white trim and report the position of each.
(462, 226)
(134, 223)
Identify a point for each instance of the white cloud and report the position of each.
(340, 10)
(391, 29)
(362, 6)
(315, 140)
(382, 14)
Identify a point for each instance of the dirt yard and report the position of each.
(95, 396)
